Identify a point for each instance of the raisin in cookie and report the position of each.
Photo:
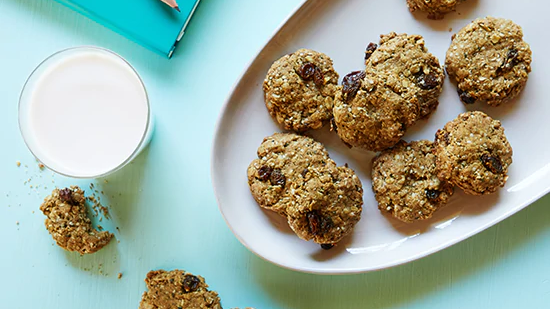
(489, 61)
(473, 153)
(177, 289)
(295, 177)
(68, 222)
(405, 182)
(299, 90)
(436, 9)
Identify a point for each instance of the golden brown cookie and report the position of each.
(373, 119)
(405, 182)
(295, 177)
(68, 222)
(284, 159)
(473, 153)
(436, 9)
(299, 90)
(489, 61)
(374, 108)
(415, 73)
(177, 289)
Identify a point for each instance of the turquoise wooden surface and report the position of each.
(164, 205)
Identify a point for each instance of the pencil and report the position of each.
(172, 3)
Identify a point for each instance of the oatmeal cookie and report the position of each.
(436, 9)
(473, 153)
(295, 177)
(177, 289)
(299, 90)
(373, 118)
(401, 83)
(284, 160)
(68, 222)
(374, 108)
(406, 67)
(405, 182)
(489, 61)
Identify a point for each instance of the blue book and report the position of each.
(150, 23)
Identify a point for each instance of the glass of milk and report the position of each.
(84, 113)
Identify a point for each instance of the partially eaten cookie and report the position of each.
(68, 222)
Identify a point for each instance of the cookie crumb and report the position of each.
(451, 29)
(98, 207)
(41, 166)
(119, 276)
(18, 163)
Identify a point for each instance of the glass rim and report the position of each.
(97, 49)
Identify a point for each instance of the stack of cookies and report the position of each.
(295, 177)
(372, 109)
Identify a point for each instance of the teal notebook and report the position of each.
(150, 23)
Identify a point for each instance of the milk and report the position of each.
(85, 113)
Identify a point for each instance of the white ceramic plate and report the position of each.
(342, 29)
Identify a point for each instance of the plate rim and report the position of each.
(219, 120)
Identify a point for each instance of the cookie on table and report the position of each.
(299, 90)
(489, 61)
(68, 222)
(177, 289)
(436, 9)
(295, 177)
(473, 153)
(405, 182)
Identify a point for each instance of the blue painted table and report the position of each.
(163, 203)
